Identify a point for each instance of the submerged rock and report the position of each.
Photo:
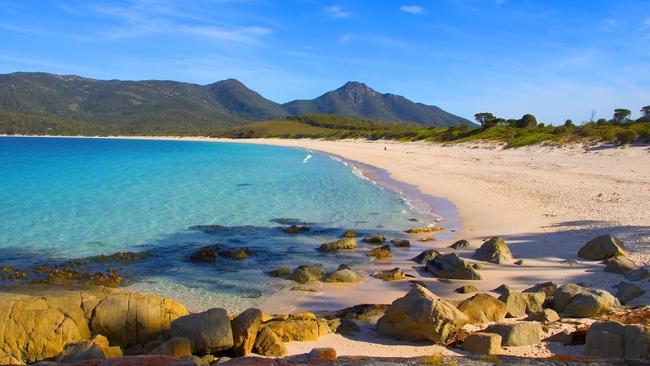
(421, 315)
(279, 272)
(425, 256)
(601, 248)
(343, 274)
(343, 244)
(350, 234)
(295, 229)
(374, 239)
(11, 273)
(305, 274)
(451, 266)
(207, 254)
(494, 250)
(381, 252)
(424, 229)
(395, 274)
(401, 243)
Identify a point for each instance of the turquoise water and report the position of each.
(71, 198)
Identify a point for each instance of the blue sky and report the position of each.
(556, 59)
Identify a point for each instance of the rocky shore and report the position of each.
(91, 325)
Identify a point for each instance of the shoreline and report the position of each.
(545, 201)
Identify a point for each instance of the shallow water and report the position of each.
(71, 198)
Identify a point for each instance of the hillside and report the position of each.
(356, 99)
(41, 103)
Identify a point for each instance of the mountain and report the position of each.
(356, 99)
(243, 102)
(41, 103)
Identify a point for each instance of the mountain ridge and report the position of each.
(58, 102)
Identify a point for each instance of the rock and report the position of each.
(300, 327)
(620, 264)
(305, 274)
(461, 244)
(362, 312)
(401, 243)
(424, 229)
(467, 289)
(503, 289)
(118, 257)
(483, 344)
(343, 244)
(350, 234)
(638, 275)
(615, 340)
(295, 229)
(322, 354)
(209, 331)
(343, 326)
(425, 256)
(494, 250)
(36, 322)
(546, 316)
(12, 273)
(395, 274)
(576, 301)
(426, 239)
(207, 254)
(519, 262)
(421, 315)
(517, 334)
(280, 272)
(483, 308)
(601, 248)
(381, 252)
(374, 239)
(96, 348)
(269, 344)
(548, 288)
(344, 274)
(177, 347)
(237, 254)
(522, 303)
(244, 331)
(626, 292)
(450, 266)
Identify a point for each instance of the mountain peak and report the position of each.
(230, 83)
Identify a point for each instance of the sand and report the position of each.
(545, 201)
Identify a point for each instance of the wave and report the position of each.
(306, 159)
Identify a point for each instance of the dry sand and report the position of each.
(545, 201)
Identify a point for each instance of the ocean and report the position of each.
(68, 198)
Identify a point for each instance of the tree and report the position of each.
(527, 121)
(486, 120)
(568, 123)
(645, 113)
(621, 114)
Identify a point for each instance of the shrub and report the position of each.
(626, 137)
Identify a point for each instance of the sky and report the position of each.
(556, 59)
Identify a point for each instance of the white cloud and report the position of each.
(336, 11)
(412, 9)
(345, 38)
(241, 34)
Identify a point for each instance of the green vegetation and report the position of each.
(512, 132)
